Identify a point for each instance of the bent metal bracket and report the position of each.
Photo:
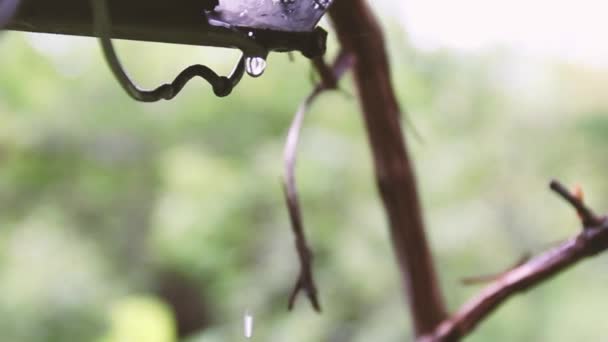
(256, 27)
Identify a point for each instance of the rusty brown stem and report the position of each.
(359, 32)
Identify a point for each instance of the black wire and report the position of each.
(222, 86)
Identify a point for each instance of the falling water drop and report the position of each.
(248, 324)
(255, 66)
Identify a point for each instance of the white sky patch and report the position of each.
(576, 31)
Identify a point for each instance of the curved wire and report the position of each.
(7, 10)
(222, 86)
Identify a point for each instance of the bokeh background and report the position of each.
(123, 222)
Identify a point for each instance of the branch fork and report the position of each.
(588, 217)
(592, 240)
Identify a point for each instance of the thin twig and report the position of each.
(587, 216)
(305, 280)
(486, 278)
(591, 241)
(327, 74)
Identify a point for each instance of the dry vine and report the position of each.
(329, 79)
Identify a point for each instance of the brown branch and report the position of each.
(592, 240)
(588, 218)
(359, 32)
(329, 78)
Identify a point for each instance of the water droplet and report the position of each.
(248, 324)
(255, 66)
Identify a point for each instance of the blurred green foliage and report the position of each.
(101, 197)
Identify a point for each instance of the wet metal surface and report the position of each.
(273, 26)
(278, 15)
